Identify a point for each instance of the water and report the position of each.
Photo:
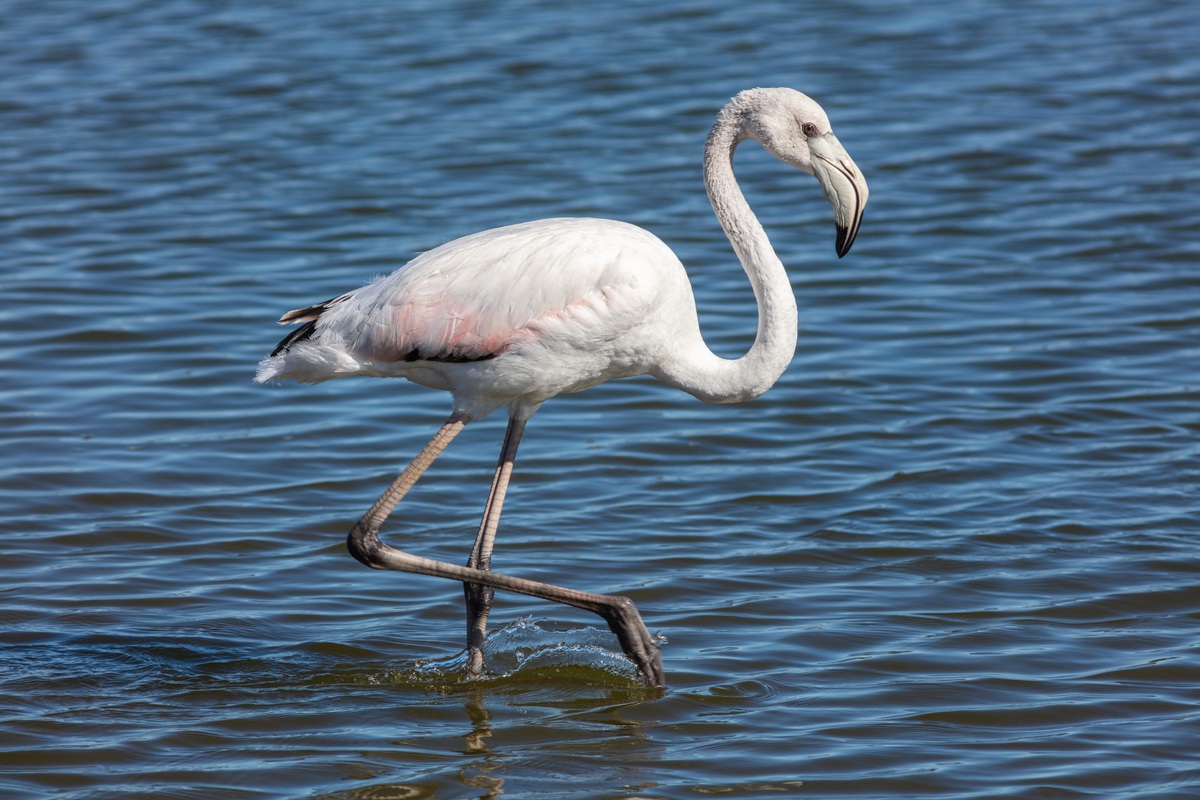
(951, 554)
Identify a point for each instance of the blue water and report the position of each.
(952, 554)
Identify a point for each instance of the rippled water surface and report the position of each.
(952, 554)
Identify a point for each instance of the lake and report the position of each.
(951, 554)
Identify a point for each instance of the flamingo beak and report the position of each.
(843, 184)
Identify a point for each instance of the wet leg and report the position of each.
(479, 597)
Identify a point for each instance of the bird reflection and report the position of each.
(481, 773)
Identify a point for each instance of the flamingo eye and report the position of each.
(809, 129)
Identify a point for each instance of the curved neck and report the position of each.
(697, 369)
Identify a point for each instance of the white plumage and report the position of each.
(483, 317)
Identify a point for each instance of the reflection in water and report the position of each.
(481, 773)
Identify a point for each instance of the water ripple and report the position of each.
(949, 555)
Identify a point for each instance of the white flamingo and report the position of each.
(513, 316)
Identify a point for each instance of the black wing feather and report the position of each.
(309, 315)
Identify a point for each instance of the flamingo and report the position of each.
(513, 316)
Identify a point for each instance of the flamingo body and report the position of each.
(513, 315)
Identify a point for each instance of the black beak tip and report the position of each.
(844, 240)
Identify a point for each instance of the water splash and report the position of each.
(529, 647)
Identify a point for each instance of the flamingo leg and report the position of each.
(478, 597)
(619, 612)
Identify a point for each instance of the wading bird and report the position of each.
(513, 316)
